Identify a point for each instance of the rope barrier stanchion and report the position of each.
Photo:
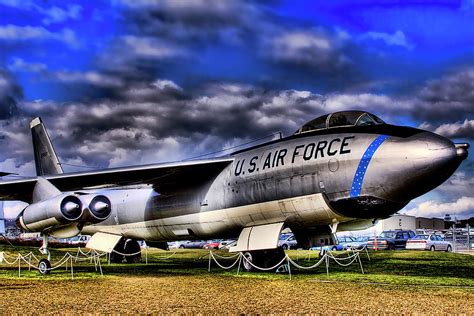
(209, 265)
(240, 263)
(288, 264)
(72, 270)
(327, 264)
(360, 263)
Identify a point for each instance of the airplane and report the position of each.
(338, 172)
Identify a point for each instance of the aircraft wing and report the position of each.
(162, 176)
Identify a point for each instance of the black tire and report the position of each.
(284, 247)
(245, 264)
(449, 249)
(115, 256)
(334, 248)
(44, 266)
(391, 247)
(432, 248)
(181, 247)
(132, 247)
(263, 258)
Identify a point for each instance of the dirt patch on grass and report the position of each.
(218, 294)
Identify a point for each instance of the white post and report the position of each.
(72, 270)
(360, 262)
(240, 262)
(209, 267)
(288, 264)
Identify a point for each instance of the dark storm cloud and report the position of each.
(194, 20)
(10, 94)
(160, 122)
(450, 98)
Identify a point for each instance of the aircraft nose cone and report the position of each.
(419, 164)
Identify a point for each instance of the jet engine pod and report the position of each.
(100, 207)
(52, 213)
(97, 208)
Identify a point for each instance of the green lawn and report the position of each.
(390, 267)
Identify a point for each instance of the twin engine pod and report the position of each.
(63, 210)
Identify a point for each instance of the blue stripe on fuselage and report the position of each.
(364, 164)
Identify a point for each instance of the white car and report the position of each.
(223, 244)
(430, 242)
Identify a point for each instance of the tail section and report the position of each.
(46, 160)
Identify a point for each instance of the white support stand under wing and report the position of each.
(103, 242)
(258, 237)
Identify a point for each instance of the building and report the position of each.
(407, 222)
(397, 222)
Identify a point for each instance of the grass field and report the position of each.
(394, 282)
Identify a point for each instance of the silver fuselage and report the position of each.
(308, 180)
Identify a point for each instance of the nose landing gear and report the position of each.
(44, 265)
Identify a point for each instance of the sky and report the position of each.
(127, 82)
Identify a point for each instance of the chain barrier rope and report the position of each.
(66, 261)
(341, 261)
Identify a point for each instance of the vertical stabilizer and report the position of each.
(46, 160)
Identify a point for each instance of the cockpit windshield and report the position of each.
(338, 119)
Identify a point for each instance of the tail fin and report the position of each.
(46, 160)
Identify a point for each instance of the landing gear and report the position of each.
(133, 248)
(44, 247)
(44, 266)
(128, 249)
(262, 258)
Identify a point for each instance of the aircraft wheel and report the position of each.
(132, 246)
(44, 266)
(250, 257)
(262, 258)
(115, 256)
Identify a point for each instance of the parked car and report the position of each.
(230, 245)
(346, 241)
(359, 242)
(188, 244)
(79, 240)
(390, 239)
(213, 244)
(287, 241)
(224, 243)
(429, 242)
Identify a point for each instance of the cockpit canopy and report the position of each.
(338, 119)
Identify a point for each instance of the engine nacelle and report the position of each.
(49, 214)
(97, 208)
